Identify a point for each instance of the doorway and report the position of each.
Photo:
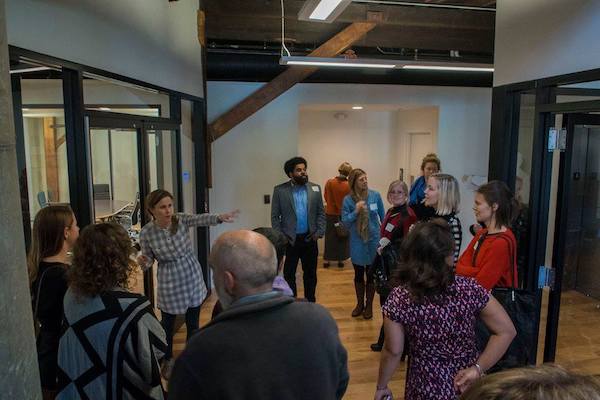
(572, 338)
(129, 157)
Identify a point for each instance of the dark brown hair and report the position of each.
(101, 260)
(422, 268)
(546, 382)
(48, 235)
(153, 199)
(431, 158)
(497, 192)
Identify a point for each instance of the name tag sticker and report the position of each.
(373, 206)
(315, 188)
(389, 227)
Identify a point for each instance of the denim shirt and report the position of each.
(363, 253)
(301, 205)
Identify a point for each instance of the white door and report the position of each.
(420, 144)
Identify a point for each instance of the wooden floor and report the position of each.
(578, 343)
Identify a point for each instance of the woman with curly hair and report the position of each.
(436, 312)
(112, 342)
(55, 231)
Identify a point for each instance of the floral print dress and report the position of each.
(441, 336)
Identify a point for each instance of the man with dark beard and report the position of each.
(264, 345)
(297, 211)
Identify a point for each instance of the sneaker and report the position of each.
(166, 367)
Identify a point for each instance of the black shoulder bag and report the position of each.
(523, 308)
(36, 323)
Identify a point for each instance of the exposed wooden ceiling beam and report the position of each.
(286, 80)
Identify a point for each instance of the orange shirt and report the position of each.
(335, 191)
(497, 254)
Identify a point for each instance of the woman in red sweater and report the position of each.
(491, 256)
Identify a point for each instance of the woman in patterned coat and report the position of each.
(436, 312)
(181, 288)
(111, 342)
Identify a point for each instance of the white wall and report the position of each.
(154, 41)
(248, 161)
(415, 121)
(542, 38)
(366, 139)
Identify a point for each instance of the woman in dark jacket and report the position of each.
(55, 231)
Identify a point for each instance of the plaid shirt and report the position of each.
(180, 283)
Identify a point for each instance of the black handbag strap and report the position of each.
(510, 251)
(37, 296)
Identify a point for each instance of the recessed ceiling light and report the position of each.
(104, 109)
(357, 107)
(26, 109)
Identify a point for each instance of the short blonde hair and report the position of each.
(546, 382)
(345, 168)
(397, 182)
(449, 197)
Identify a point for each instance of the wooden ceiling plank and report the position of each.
(286, 80)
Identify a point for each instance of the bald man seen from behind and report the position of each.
(264, 345)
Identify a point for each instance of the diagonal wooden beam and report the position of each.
(286, 80)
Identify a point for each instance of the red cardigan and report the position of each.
(491, 266)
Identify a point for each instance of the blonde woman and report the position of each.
(442, 194)
(362, 213)
(55, 231)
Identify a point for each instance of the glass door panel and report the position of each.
(162, 168)
(116, 184)
(47, 174)
(162, 160)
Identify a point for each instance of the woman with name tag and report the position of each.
(395, 227)
(362, 213)
(443, 196)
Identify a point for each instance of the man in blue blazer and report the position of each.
(297, 211)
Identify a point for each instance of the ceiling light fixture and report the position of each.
(384, 64)
(448, 68)
(104, 108)
(322, 10)
(336, 62)
(357, 107)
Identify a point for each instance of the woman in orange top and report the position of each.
(491, 256)
(337, 247)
